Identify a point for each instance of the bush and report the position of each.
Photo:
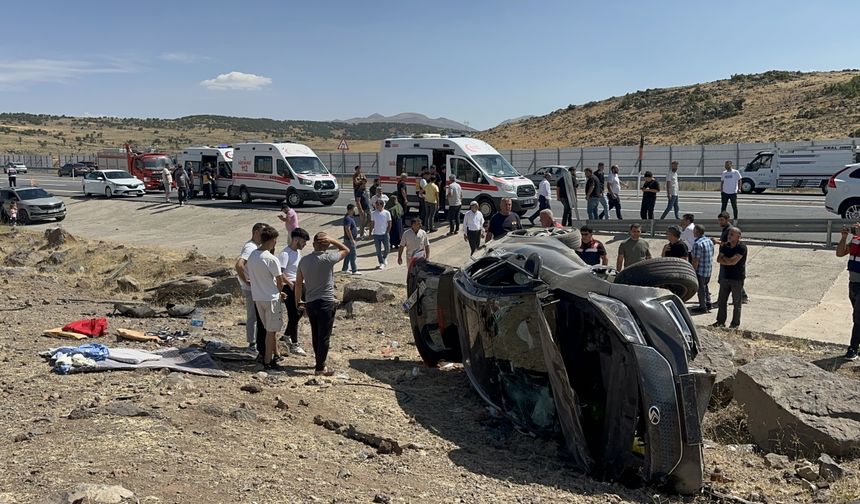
(847, 89)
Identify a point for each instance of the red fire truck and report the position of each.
(146, 166)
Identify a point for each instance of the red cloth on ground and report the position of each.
(90, 327)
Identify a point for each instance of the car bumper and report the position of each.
(313, 195)
(520, 204)
(39, 214)
(121, 191)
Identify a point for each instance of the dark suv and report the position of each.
(73, 170)
(561, 347)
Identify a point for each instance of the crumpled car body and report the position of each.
(559, 348)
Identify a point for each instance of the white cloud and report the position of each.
(182, 57)
(15, 73)
(236, 81)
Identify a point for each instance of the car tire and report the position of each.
(59, 173)
(431, 355)
(758, 190)
(23, 217)
(294, 199)
(328, 202)
(487, 207)
(108, 193)
(244, 195)
(747, 186)
(672, 273)
(850, 209)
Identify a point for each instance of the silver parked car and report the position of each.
(34, 204)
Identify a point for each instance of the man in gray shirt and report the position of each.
(315, 275)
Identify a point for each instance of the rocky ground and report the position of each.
(252, 437)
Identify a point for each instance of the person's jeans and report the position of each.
(671, 205)
(250, 318)
(604, 203)
(321, 316)
(349, 262)
(13, 181)
(261, 333)
(293, 315)
(183, 195)
(474, 238)
(647, 209)
(396, 233)
(725, 198)
(615, 202)
(854, 296)
(422, 210)
(591, 208)
(430, 216)
(704, 292)
(543, 204)
(735, 288)
(383, 247)
(454, 219)
(566, 214)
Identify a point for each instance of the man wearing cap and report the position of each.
(454, 197)
(544, 196)
(473, 225)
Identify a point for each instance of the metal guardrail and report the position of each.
(652, 228)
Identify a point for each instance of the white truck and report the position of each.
(281, 171)
(484, 175)
(219, 158)
(810, 167)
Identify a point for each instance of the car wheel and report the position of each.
(758, 190)
(851, 209)
(294, 199)
(328, 202)
(244, 195)
(23, 217)
(108, 192)
(59, 173)
(747, 186)
(824, 187)
(487, 207)
(672, 273)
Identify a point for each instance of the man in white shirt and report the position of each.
(544, 196)
(473, 226)
(167, 181)
(672, 192)
(613, 191)
(731, 184)
(415, 243)
(381, 220)
(264, 273)
(250, 311)
(688, 231)
(454, 197)
(289, 259)
(378, 195)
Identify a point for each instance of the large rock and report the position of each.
(128, 283)
(214, 300)
(58, 236)
(227, 285)
(190, 287)
(796, 408)
(97, 494)
(221, 273)
(718, 356)
(367, 291)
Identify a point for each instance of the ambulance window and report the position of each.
(263, 164)
(465, 172)
(283, 171)
(411, 164)
(225, 170)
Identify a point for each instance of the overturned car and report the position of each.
(560, 347)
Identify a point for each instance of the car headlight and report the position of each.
(620, 316)
(508, 187)
(307, 182)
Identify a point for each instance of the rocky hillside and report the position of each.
(771, 106)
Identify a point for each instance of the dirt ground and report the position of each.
(171, 437)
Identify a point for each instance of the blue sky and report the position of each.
(476, 61)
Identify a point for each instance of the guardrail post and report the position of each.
(610, 156)
(558, 155)
(652, 228)
(738, 156)
(829, 233)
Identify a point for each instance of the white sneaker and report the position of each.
(380, 266)
(295, 349)
(357, 273)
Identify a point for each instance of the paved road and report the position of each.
(706, 204)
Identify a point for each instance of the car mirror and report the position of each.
(533, 265)
(100, 178)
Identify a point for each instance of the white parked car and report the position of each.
(112, 183)
(19, 167)
(843, 192)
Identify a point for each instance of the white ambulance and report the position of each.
(220, 158)
(281, 171)
(484, 174)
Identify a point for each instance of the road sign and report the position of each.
(343, 145)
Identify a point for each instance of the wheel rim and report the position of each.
(486, 208)
(243, 194)
(24, 217)
(108, 192)
(853, 211)
(294, 199)
(747, 186)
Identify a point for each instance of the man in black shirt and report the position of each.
(676, 246)
(601, 190)
(733, 256)
(649, 196)
(402, 195)
(504, 221)
(592, 195)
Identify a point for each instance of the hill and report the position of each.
(772, 106)
(411, 118)
(42, 133)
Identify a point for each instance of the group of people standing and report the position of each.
(183, 180)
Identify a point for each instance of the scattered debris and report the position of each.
(828, 469)
(214, 300)
(776, 461)
(127, 283)
(136, 311)
(367, 291)
(382, 445)
(96, 494)
(251, 388)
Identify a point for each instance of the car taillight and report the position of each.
(832, 182)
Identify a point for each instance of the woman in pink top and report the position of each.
(289, 217)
